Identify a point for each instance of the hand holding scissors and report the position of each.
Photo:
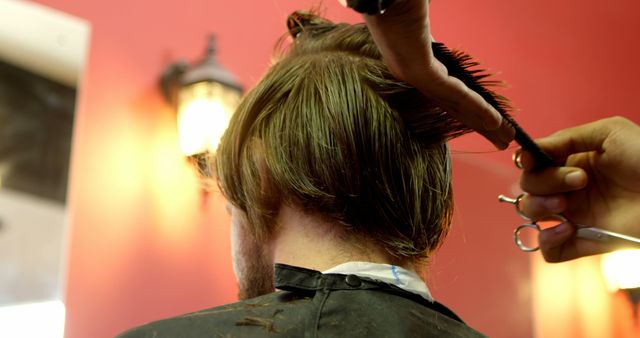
(609, 238)
(596, 182)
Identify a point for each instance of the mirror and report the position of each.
(43, 53)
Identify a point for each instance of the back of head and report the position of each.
(332, 132)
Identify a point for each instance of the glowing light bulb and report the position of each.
(203, 115)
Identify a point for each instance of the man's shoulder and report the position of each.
(388, 313)
(253, 317)
(327, 305)
(361, 313)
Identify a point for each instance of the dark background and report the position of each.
(36, 121)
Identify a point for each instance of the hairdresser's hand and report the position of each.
(402, 34)
(599, 185)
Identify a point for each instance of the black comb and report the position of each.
(459, 65)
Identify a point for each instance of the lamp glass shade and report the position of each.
(621, 269)
(204, 111)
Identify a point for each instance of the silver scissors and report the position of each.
(583, 231)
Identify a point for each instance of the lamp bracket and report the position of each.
(634, 298)
(171, 80)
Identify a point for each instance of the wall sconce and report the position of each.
(621, 272)
(205, 95)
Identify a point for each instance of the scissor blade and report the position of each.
(610, 237)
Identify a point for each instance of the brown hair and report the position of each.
(331, 131)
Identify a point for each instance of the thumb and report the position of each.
(584, 138)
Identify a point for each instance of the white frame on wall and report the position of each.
(54, 45)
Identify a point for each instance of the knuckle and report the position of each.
(618, 121)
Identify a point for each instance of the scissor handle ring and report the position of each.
(519, 243)
(519, 211)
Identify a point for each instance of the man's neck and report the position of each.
(312, 242)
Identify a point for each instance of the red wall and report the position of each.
(564, 62)
(142, 246)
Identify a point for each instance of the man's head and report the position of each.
(331, 132)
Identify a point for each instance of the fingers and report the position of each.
(500, 137)
(558, 244)
(469, 107)
(403, 38)
(584, 138)
(553, 180)
(540, 207)
(548, 181)
(555, 243)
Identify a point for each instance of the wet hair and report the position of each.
(329, 130)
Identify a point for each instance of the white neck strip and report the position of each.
(391, 274)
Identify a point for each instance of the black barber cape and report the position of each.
(312, 304)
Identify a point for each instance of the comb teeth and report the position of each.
(459, 65)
